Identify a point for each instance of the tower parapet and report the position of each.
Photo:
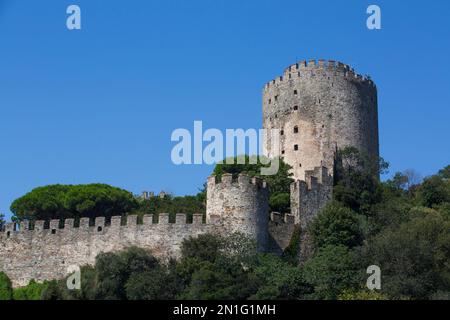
(239, 204)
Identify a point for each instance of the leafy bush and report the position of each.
(336, 225)
(32, 291)
(5, 287)
(414, 257)
(331, 271)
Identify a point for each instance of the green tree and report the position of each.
(214, 281)
(5, 287)
(391, 211)
(435, 190)
(398, 182)
(278, 279)
(153, 284)
(114, 269)
(336, 225)
(280, 202)
(356, 179)
(205, 247)
(332, 270)
(88, 290)
(213, 267)
(53, 291)
(413, 257)
(32, 291)
(73, 201)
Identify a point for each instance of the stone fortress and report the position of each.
(318, 106)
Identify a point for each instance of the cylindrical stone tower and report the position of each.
(319, 108)
(239, 205)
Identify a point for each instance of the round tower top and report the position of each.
(303, 68)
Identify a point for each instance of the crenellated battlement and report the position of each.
(43, 250)
(282, 218)
(53, 227)
(318, 67)
(242, 179)
(281, 229)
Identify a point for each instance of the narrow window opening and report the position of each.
(281, 132)
(295, 129)
(295, 108)
(8, 234)
(270, 101)
(99, 229)
(282, 151)
(53, 231)
(276, 98)
(295, 91)
(296, 147)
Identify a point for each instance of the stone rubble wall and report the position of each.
(44, 254)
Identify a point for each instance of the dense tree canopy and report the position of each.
(330, 271)
(336, 225)
(73, 201)
(414, 257)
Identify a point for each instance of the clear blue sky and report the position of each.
(99, 105)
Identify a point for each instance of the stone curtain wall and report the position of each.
(234, 205)
(44, 254)
(320, 106)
